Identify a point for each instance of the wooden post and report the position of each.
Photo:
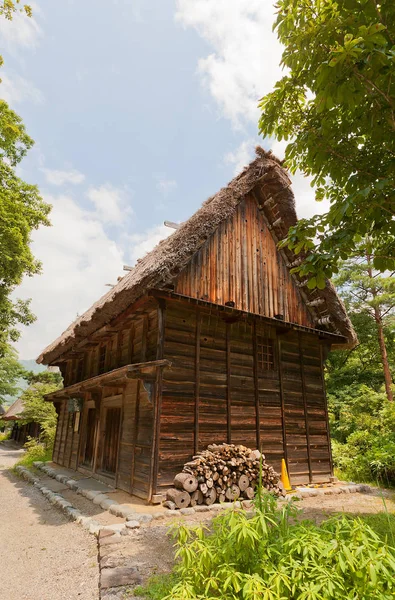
(306, 420)
(228, 386)
(156, 437)
(135, 432)
(120, 434)
(160, 344)
(197, 380)
(63, 406)
(282, 402)
(256, 390)
(77, 460)
(143, 356)
(96, 397)
(328, 437)
(131, 343)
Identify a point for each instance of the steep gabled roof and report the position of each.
(14, 411)
(270, 184)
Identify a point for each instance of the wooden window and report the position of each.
(102, 359)
(265, 352)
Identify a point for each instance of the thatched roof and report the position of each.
(14, 412)
(269, 182)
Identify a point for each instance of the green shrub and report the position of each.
(5, 435)
(34, 451)
(363, 432)
(271, 556)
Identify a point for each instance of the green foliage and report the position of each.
(336, 107)
(10, 372)
(34, 451)
(269, 556)
(157, 588)
(37, 410)
(363, 434)
(5, 435)
(22, 210)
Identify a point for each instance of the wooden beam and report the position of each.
(306, 420)
(256, 387)
(285, 451)
(328, 437)
(197, 380)
(228, 386)
(97, 398)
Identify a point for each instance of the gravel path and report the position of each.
(42, 555)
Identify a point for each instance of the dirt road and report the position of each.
(42, 555)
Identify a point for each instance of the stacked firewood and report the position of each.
(222, 473)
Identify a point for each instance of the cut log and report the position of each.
(185, 481)
(249, 493)
(203, 488)
(233, 492)
(243, 482)
(210, 497)
(180, 498)
(196, 498)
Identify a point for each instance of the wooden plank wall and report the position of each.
(135, 450)
(137, 342)
(217, 390)
(240, 263)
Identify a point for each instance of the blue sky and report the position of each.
(140, 110)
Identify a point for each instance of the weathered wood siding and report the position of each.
(136, 341)
(240, 263)
(135, 452)
(245, 383)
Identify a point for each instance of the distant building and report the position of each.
(20, 431)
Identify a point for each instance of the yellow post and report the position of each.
(284, 476)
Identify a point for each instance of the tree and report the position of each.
(368, 292)
(22, 210)
(336, 107)
(10, 372)
(36, 408)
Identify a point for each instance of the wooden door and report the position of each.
(111, 440)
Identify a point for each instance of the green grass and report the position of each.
(157, 587)
(32, 454)
(5, 436)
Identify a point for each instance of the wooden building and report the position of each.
(209, 338)
(21, 430)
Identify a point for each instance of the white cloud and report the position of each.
(111, 204)
(241, 157)
(141, 243)
(55, 177)
(245, 63)
(78, 260)
(22, 32)
(165, 186)
(17, 89)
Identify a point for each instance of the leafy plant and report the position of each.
(34, 451)
(271, 556)
(335, 106)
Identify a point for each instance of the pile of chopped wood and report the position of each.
(222, 473)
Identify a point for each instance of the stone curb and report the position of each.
(124, 511)
(57, 500)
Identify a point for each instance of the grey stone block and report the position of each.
(99, 498)
(201, 508)
(132, 524)
(187, 511)
(119, 576)
(106, 504)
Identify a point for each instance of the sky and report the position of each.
(140, 110)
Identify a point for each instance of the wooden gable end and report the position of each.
(240, 263)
